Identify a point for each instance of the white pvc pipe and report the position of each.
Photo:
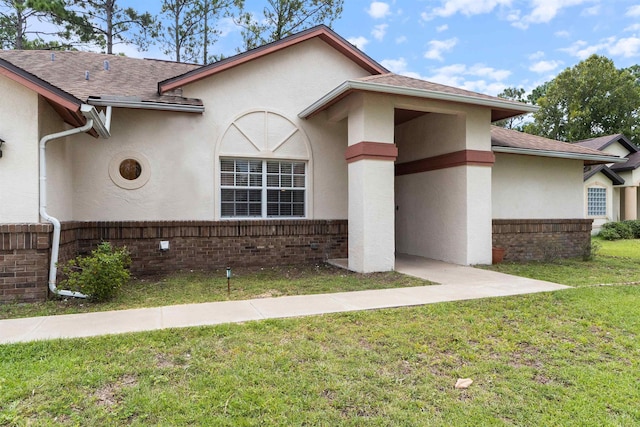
(55, 245)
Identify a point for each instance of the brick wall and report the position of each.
(206, 245)
(195, 245)
(24, 261)
(541, 239)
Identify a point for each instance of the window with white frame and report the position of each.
(596, 201)
(262, 188)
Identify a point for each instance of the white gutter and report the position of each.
(414, 92)
(146, 105)
(558, 154)
(93, 122)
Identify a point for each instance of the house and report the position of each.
(301, 150)
(611, 190)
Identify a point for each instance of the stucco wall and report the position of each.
(59, 163)
(181, 148)
(616, 149)
(444, 214)
(528, 187)
(19, 163)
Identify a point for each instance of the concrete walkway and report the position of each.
(456, 283)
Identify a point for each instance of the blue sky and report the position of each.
(480, 45)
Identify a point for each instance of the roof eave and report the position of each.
(323, 32)
(146, 105)
(590, 158)
(351, 85)
(41, 87)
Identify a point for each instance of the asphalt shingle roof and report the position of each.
(510, 138)
(125, 77)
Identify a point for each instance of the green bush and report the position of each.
(635, 227)
(609, 234)
(622, 229)
(99, 275)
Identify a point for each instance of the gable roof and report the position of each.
(322, 32)
(61, 77)
(394, 84)
(602, 142)
(515, 142)
(632, 163)
(590, 171)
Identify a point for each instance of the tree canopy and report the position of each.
(281, 18)
(591, 99)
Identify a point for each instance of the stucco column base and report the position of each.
(631, 203)
(371, 216)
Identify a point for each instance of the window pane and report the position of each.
(227, 165)
(273, 167)
(298, 181)
(286, 181)
(286, 167)
(273, 181)
(255, 209)
(597, 201)
(242, 180)
(227, 195)
(255, 166)
(226, 179)
(255, 180)
(298, 209)
(227, 209)
(298, 168)
(298, 196)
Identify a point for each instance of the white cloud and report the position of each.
(562, 33)
(627, 48)
(537, 55)
(633, 28)
(438, 47)
(395, 65)
(378, 9)
(591, 11)
(633, 11)
(466, 7)
(544, 66)
(543, 11)
(442, 28)
(401, 39)
(477, 77)
(379, 31)
(359, 42)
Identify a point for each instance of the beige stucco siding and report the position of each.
(59, 163)
(285, 83)
(529, 187)
(179, 150)
(19, 164)
(616, 149)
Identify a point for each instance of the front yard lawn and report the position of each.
(616, 262)
(564, 358)
(197, 287)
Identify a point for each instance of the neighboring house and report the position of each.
(301, 150)
(611, 190)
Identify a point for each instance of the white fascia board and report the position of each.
(121, 103)
(559, 154)
(419, 93)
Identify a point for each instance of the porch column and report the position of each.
(370, 156)
(631, 203)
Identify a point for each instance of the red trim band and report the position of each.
(449, 160)
(372, 151)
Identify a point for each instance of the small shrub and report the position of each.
(623, 229)
(609, 234)
(590, 250)
(99, 275)
(635, 227)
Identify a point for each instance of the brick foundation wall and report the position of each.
(541, 239)
(194, 245)
(24, 262)
(202, 245)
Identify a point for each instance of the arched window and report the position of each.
(263, 168)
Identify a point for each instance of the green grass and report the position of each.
(565, 358)
(197, 287)
(616, 262)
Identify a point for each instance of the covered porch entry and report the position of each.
(419, 169)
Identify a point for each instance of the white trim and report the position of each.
(420, 93)
(558, 154)
(119, 180)
(146, 105)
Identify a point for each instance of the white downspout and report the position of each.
(55, 244)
